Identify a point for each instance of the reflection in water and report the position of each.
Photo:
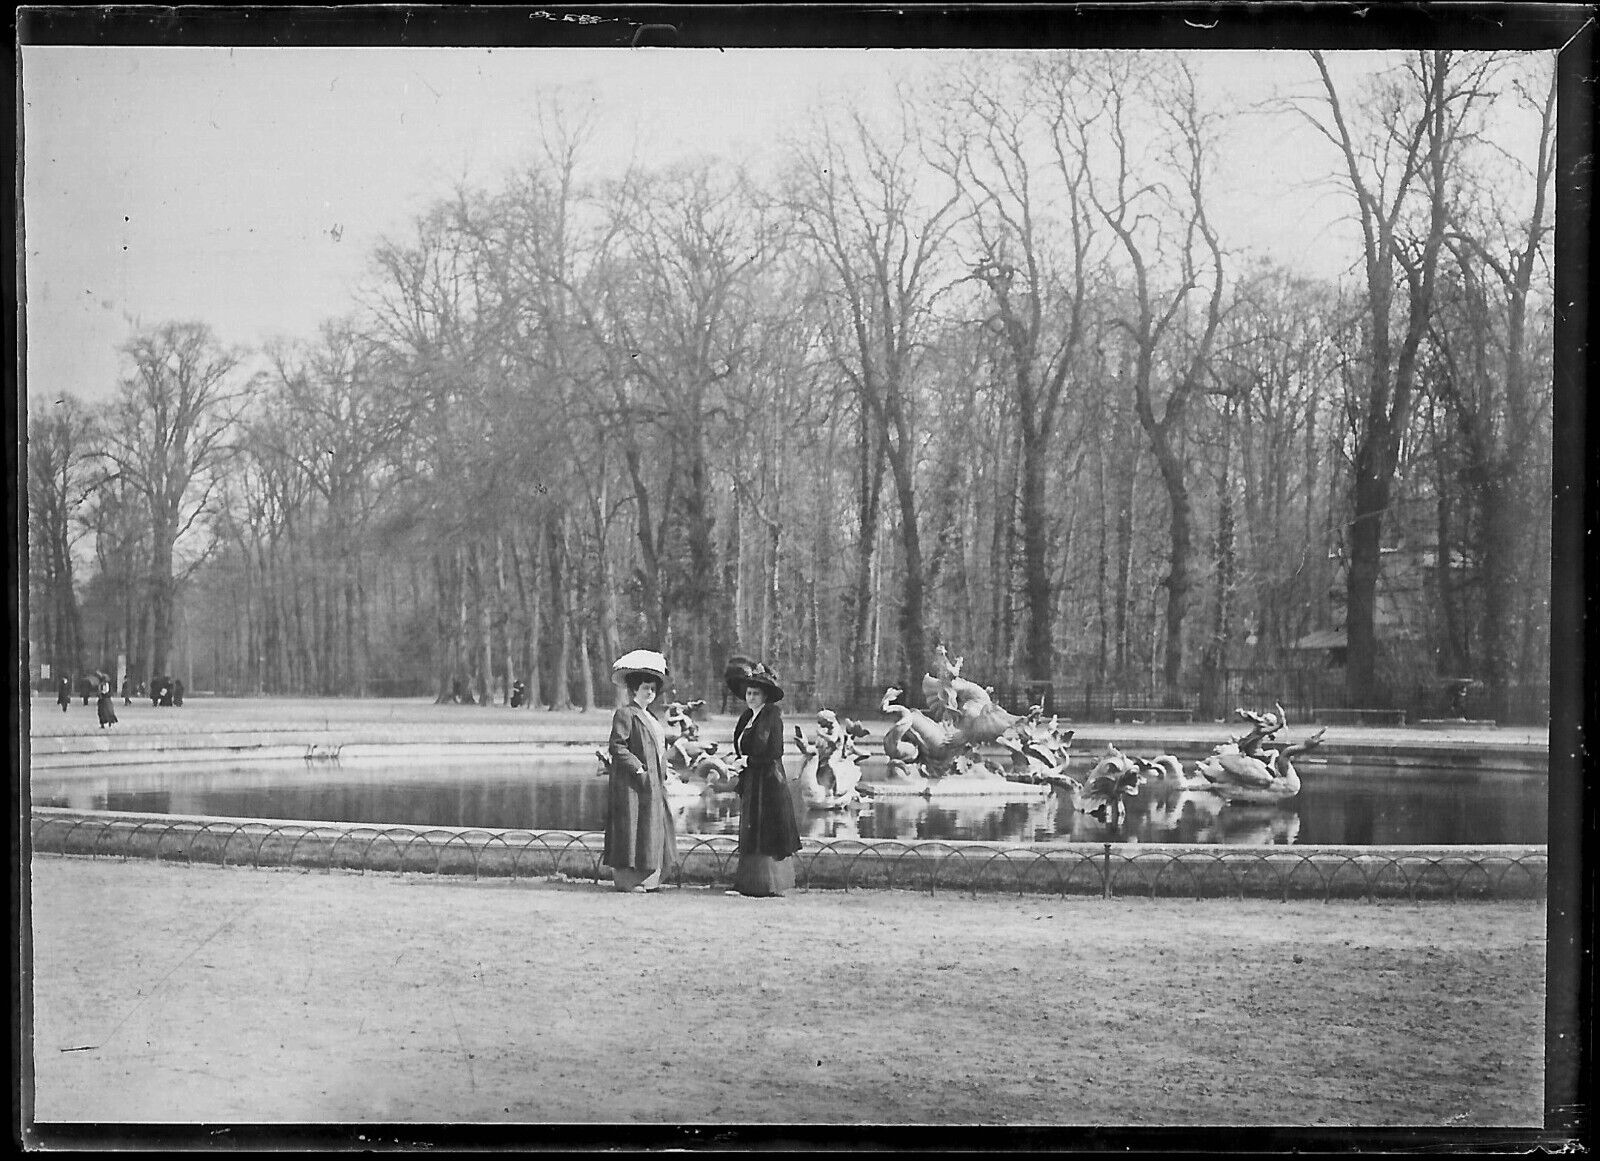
(1346, 804)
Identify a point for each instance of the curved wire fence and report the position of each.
(1104, 869)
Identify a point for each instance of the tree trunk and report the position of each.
(586, 667)
(1039, 649)
(442, 598)
(1123, 596)
(1103, 602)
(914, 659)
(161, 602)
(870, 486)
(1180, 582)
(526, 566)
(560, 612)
(1366, 532)
(484, 652)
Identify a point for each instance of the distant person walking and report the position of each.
(64, 692)
(641, 840)
(768, 833)
(177, 691)
(127, 691)
(102, 703)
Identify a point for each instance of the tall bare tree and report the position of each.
(1488, 372)
(61, 467)
(868, 207)
(167, 436)
(1012, 153)
(1153, 199)
(1399, 159)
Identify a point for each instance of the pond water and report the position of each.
(1339, 804)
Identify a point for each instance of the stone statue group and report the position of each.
(961, 743)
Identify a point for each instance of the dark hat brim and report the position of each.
(774, 690)
(620, 676)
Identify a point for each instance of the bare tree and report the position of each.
(1035, 228)
(698, 246)
(1398, 162)
(61, 470)
(1153, 200)
(1495, 387)
(167, 436)
(866, 205)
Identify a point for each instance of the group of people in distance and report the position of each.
(165, 691)
(640, 838)
(100, 686)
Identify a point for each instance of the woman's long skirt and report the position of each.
(108, 714)
(757, 874)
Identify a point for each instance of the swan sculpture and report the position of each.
(830, 778)
(1167, 773)
(1178, 795)
(1263, 774)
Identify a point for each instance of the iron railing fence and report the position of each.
(1088, 869)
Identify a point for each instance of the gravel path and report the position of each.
(165, 993)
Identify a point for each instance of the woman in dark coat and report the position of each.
(102, 704)
(641, 840)
(768, 833)
(64, 692)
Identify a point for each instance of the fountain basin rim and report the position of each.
(1206, 849)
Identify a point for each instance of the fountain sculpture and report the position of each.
(830, 778)
(1247, 770)
(1039, 752)
(935, 753)
(690, 758)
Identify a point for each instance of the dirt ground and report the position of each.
(179, 994)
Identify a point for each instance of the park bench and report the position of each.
(1150, 714)
(1361, 717)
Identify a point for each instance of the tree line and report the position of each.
(978, 369)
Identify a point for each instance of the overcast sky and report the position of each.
(246, 187)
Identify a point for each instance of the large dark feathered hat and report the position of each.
(741, 673)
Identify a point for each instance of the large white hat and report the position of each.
(639, 661)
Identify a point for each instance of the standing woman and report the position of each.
(102, 703)
(768, 833)
(64, 692)
(640, 837)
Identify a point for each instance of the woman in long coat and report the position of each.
(768, 833)
(102, 703)
(641, 840)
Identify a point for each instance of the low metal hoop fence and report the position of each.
(1108, 870)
